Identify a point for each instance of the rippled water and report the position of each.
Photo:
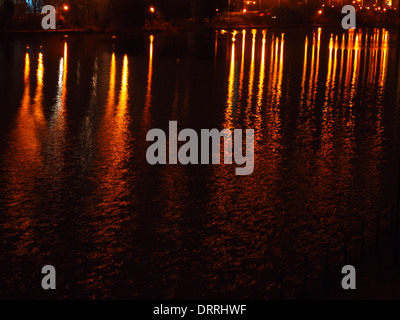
(77, 192)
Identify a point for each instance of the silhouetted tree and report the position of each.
(129, 13)
(9, 8)
(206, 8)
(173, 9)
(7, 11)
(36, 6)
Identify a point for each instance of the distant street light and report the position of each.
(152, 10)
(66, 8)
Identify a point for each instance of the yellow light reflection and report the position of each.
(384, 57)
(146, 122)
(280, 70)
(303, 79)
(356, 68)
(114, 150)
(147, 103)
(114, 137)
(38, 99)
(231, 90)
(215, 46)
(123, 96)
(242, 72)
(262, 73)
(24, 164)
(276, 69)
(111, 89)
(251, 73)
(316, 46)
(149, 74)
(62, 84)
(26, 95)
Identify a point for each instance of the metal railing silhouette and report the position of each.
(316, 267)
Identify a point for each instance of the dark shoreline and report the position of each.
(185, 31)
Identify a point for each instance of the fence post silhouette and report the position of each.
(333, 253)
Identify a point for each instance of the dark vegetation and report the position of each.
(112, 15)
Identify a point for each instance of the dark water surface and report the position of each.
(76, 191)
